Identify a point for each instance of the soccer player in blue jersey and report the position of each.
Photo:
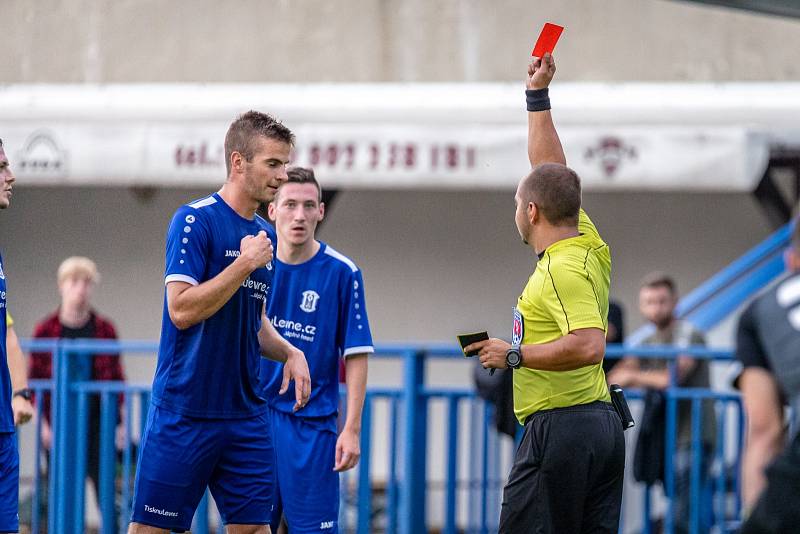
(9, 457)
(206, 423)
(317, 305)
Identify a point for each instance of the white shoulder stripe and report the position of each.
(203, 202)
(341, 257)
(366, 349)
(180, 278)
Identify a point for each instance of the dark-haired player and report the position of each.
(318, 305)
(567, 474)
(206, 423)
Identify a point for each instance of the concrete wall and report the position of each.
(385, 40)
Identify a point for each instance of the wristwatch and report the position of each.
(25, 393)
(513, 357)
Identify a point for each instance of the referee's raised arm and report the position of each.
(544, 145)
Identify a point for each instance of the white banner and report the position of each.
(387, 155)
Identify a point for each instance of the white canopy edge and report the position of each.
(616, 136)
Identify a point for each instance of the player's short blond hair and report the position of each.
(78, 267)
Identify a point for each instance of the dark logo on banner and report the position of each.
(41, 155)
(612, 152)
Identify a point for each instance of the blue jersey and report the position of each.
(211, 369)
(6, 415)
(318, 306)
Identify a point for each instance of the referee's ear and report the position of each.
(533, 212)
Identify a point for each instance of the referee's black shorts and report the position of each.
(567, 474)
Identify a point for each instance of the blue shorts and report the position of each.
(305, 451)
(9, 483)
(181, 455)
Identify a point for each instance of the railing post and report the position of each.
(63, 472)
(37, 451)
(363, 526)
(669, 451)
(451, 483)
(485, 473)
(81, 447)
(391, 490)
(414, 464)
(697, 471)
(108, 462)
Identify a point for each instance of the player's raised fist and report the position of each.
(256, 250)
(540, 72)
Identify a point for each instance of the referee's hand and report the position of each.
(492, 352)
(296, 368)
(541, 72)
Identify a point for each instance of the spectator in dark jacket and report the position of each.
(76, 319)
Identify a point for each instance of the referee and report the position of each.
(567, 474)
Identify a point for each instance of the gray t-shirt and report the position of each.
(769, 337)
(684, 334)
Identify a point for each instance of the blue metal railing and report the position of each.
(391, 498)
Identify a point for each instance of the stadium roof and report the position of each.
(617, 136)
(783, 8)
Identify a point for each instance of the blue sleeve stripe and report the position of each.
(180, 278)
(366, 349)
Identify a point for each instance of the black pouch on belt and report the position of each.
(621, 406)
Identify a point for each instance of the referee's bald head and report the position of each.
(556, 191)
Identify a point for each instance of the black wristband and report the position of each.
(538, 99)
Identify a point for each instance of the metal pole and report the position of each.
(413, 491)
(364, 488)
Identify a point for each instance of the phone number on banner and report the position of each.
(387, 156)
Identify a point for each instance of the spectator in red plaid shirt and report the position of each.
(75, 318)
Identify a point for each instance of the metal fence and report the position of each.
(430, 456)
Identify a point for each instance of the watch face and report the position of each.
(512, 358)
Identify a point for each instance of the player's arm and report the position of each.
(762, 405)
(348, 447)
(22, 408)
(544, 146)
(190, 304)
(764, 434)
(295, 367)
(579, 348)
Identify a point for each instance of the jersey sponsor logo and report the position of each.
(309, 302)
(159, 511)
(326, 525)
(295, 329)
(518, 329)
(259, 288)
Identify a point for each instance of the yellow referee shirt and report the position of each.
(567, 291)
(9, 320)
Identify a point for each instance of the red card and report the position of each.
(547, 39)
